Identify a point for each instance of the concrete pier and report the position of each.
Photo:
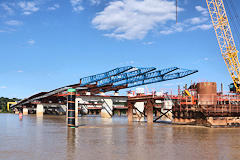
(40, 110)
(16, 111)
(107, 108)
(25, 111)
(158, 113)
(82, 101)
(119, 113)
(165, 110)
(130, 112)
(139, 108)
(149, 111)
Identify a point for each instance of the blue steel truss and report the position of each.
(134, 77)
(130, 74)
(160, 78)
(91, 79)
(143, 77)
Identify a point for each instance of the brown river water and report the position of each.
(49, 138)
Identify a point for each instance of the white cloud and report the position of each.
(202, 22)
(54, 7)
(205, 59)
(1, 31)
(203, 11)
(148, 43)
(95, 2)
(19, 71)
(77, 5)
(28, 7)
(173, 29)
(197, 20)
(202, 27)
(27, 13)
(31, 42)
(3, 87)
(133, 19)
(7, 8)
(13, 23)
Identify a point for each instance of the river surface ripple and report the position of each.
(112, 139)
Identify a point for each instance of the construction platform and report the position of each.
(200, 104)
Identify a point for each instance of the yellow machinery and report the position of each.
(9, 104)
(187, 92)
(225, 39)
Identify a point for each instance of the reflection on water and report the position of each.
(71, 143)
(48, 137)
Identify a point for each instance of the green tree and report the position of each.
(4, 100)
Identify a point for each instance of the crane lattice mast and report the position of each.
(225, 39)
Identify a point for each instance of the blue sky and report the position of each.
(51, 43)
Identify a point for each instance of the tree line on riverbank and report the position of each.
(3, 103)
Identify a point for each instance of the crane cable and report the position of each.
(233, 16)
(176, 11)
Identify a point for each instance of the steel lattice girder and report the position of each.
(146, 76)
(91, 79)
(143, 76)
(131, 73)
(160, 78)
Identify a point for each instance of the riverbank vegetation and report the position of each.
(3, 103)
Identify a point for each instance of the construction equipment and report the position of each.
(9, 104)
(225, 40)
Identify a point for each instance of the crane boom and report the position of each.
(225, 39)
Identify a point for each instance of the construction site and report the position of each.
(198, 104)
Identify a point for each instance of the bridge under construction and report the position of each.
(90, 91)
(198, 104)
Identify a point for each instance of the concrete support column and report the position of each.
(130, 111)
(25, 111)
(158, 113)
(84, 108)
(107, 108)
(139, 106)
(116, 94)
(167, 106)
(16, 111)
(119, 112)
(39, 111)
(149, 110)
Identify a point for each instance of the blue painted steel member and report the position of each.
(160, 78)
(114, 80)
(143, 77)
(130, 74)
(91, 79)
